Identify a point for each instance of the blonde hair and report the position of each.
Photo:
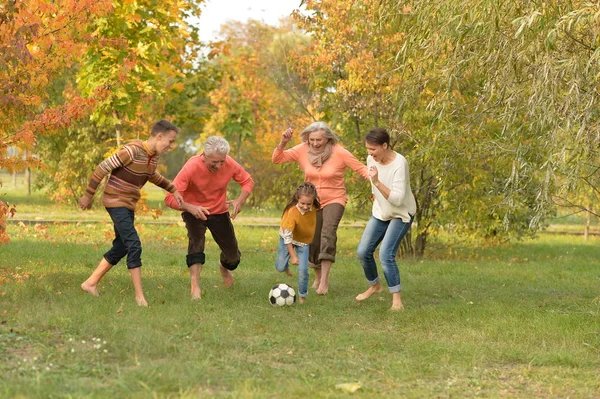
(315, 127)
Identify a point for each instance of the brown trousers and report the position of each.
(221, 229)
(324, 242)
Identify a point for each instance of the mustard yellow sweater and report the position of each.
(301, 226)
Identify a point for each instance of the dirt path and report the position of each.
(250, 221)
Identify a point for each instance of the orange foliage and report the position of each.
(38, 39)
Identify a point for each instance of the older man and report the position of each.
(203, 184)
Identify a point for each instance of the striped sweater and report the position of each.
(130, 168)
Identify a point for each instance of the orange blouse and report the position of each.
(329, 179)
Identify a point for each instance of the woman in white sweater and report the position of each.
(393, 210)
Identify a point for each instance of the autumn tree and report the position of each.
(143, 54)
(490, 114)
(138, 50)
(256, 99)
(31, 58)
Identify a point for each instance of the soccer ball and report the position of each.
(282, 295)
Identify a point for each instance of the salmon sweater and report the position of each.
(329, 179)
(130, 168)
(200, 186)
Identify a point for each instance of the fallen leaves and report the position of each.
(349, 387)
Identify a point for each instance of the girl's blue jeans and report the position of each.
(389, 234)
(282, 264)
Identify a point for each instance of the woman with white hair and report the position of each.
(203, 184)
(323, 161)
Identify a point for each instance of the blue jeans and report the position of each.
(282, 264)
(126, 242)
(389, 234)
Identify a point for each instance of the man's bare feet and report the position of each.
(397, 307)
(302, 299)
(196, 293)
(374, 289)
(227, 276)
(288, 272)
(315, 284)
(141, 301)
(91, 289)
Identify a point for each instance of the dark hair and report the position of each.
(305, 188)
(163, 126)
(378, 136)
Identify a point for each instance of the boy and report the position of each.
(130, 168)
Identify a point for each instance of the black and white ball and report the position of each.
(282, 295)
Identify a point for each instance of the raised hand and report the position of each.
(287, 136)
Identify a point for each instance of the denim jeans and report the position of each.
(389, 234)
(282, 264)
(126, 242)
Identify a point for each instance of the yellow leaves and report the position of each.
(142, 50)
(219, 48)
(155, 213)
(108, 234)
(178, 87)
(8, 276)
(349, 387)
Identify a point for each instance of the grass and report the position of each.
(520, 320)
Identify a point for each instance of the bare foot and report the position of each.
(317, 281)
(227, 276)
(91, 289)
(141, 301)
(196, 293)
(288, 272)
(397, 302)
(322, 290)
(374, 289)
(302, 299)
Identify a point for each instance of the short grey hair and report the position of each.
(315, 127)
(216, 144)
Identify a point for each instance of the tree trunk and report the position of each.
(588, 218)
(406, 248)
(427, 193)
(358, 133)
(118, 128)
(28, 180)
(420, 244)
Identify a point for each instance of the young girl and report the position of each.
(296, 233)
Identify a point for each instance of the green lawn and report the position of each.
(522, 320)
